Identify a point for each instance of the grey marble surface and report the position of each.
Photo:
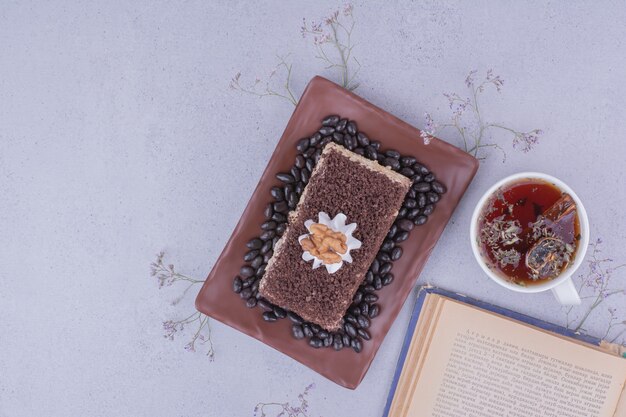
(119, 137)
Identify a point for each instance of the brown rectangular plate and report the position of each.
(453, 167)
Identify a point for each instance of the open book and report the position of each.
(462, 357)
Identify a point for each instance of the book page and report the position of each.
(481, 364)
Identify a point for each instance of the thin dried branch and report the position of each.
(167, 275)
(266, 88)
(597, 289)
(469, 123)
(277, 409)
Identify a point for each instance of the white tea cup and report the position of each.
(562, 286)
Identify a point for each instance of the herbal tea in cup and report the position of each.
(529, 233)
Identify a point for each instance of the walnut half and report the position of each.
(325, 244)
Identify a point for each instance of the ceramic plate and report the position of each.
(452, 167)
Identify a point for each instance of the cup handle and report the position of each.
(566, 294)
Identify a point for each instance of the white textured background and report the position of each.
(119, 137)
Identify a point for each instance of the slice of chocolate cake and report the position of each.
(369, 195)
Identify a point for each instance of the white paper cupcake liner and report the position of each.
(337, 224)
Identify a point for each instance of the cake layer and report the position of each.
(370, 195)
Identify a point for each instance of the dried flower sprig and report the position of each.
(474, 131)
(266, 88)
(334, 33)
(615, 322)
(286, 409)
(201, 335)
(167, 275)
(332, 39)
(596, 287)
